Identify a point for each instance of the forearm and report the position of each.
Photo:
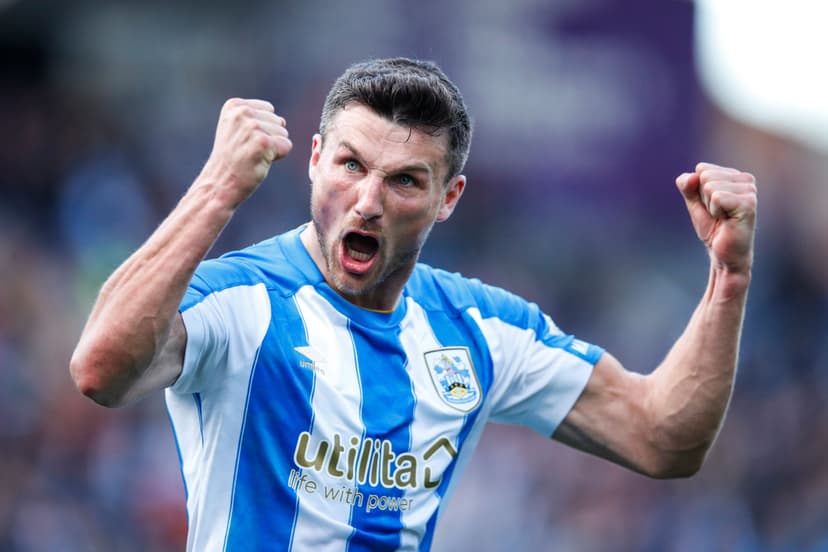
(691, 389)
(131, 318)
(134, 339)
(664, 423)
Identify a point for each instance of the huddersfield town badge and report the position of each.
(453, 375)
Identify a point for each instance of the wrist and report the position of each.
(212, 194)
(729, 283)
(228, 184)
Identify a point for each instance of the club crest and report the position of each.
(452, 372)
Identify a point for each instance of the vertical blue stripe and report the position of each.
(238, 450)
(448, 332)
(382, 371)
(197, 398)
(278, 410)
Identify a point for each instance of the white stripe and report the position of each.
(322, 524)
(433, 420)
(209, 469)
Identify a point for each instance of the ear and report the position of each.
(316, 151)
(451, 195)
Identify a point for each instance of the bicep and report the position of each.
(611, 418)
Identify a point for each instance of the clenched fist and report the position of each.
(722, 204)
(249, 137)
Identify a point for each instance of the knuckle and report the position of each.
(241, 113)
(231, 103)
(247, 126)
(247, 122)
(245, 112)
(708, 187)
(264, 142)
(707, 176)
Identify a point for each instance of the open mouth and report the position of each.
(359, 249)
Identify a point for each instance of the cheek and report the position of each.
(326, 195)
(320, 207)
(415, 223)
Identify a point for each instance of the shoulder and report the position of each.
(273, 263)
(437, 289)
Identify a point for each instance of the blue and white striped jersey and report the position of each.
(306, 423)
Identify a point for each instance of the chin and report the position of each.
(348, 285)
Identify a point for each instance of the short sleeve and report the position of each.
(225, 325)
(539, 371)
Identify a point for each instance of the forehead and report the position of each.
(384, 142)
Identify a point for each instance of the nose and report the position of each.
(370, 198)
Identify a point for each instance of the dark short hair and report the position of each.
(410, 92)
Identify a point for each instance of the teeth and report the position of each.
(358, 255)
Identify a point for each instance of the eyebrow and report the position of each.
(419, 168)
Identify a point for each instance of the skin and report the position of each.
(133, 342)
(378, 179)
(664, 423)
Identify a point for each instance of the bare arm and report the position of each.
(134, 339)
(663, 424)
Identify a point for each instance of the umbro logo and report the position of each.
(313, 359)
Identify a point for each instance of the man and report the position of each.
(325, 389)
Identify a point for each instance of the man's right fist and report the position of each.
(249, 137)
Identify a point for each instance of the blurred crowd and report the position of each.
(585, 112)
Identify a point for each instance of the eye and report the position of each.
(406, 180)
(352, 165)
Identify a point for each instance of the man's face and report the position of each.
(377, 189)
